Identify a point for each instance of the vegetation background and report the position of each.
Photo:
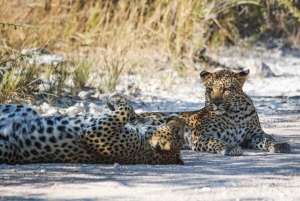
(113, 37)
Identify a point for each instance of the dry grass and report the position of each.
(136, 28)
(19, 81)
(81, 74)
(175, 29)
(110, 74)
(141, 33)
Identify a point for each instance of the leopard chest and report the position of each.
(233, 131)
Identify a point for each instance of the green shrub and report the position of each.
(18, 81)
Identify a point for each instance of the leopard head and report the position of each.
(223, 89)
(168, 139)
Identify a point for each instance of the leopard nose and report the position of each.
(217, 103)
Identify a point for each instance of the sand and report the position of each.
(255, 175)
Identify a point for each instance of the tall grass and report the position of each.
(173, 28)
(136, 30)
(81, 74)
(110, 74)
(18, 80)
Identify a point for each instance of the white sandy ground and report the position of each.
(254, 176)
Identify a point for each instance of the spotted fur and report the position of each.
(10, 112)
(109, 138)
(228, 121)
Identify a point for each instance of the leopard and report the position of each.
(16, 111)
(27, 137)
(229, 121)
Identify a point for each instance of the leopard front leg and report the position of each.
(104, 133)
(258, 139)
(207, 143)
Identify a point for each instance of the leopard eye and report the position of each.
(209, 90)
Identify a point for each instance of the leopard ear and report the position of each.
(204, 75)
(241, 76)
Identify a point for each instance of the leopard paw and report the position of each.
(280, 147)
(232, 151)
(115, 101)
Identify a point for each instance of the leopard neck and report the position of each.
(243, 105)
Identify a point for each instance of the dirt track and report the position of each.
(254, 176)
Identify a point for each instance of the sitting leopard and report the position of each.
(26, 137)
(228, 121)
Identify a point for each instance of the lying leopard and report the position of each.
(228, 121)
(26, 137)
